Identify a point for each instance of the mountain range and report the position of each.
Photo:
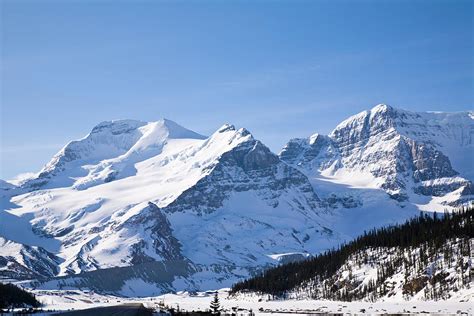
(141, 208)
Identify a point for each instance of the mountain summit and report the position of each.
(407, 154)
(109, 151)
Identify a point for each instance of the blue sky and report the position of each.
(282, 69)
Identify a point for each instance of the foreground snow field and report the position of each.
(65, 300)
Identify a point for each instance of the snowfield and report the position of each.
(65, 300)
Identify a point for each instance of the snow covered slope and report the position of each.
(108, 152)
(18, 261)
(390, 275)
(394, 274)
(131, 193)
(423, 159)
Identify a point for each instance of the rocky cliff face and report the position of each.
(250, 166)
(396, 150)
(19, 261)
(248, 206)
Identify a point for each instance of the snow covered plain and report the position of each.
(65, 300)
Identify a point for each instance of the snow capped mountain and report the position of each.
(130, 193)
(135, 200)
(409, 155)
(108, 152)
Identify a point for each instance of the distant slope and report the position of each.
(427, 257)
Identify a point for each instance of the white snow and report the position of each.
(65, 300)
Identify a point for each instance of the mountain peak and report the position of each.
(177, 131)
(123, 126)
(381, 108)
(243, 131)
(312, 139)
(117, 126)
(226, 127)
(381, 115)
(399, 150)
(115, 140)
(231, 135)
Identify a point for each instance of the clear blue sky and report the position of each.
(282, 69)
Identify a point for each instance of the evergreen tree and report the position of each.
(11, 296)
(215, 305)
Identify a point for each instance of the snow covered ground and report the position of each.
(462, 303)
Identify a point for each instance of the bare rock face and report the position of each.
(250, 166)
(345, 201)
(165, 245)
(19, 261)
(303, 152)
(404, 152)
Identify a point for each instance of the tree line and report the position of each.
(411, 247)
(11, 296)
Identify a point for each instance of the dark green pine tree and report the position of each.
(215, 305)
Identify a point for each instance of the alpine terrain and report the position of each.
(426, 258)
(142, 208)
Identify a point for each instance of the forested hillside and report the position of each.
(429, 257)
(11, 296)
